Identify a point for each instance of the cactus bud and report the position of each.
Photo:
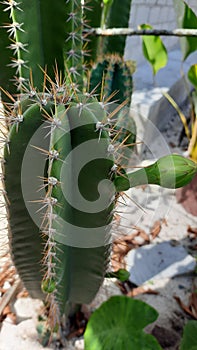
(171, 171)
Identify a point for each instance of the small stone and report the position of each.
(26, 308)
(79, 344)
(6, 285)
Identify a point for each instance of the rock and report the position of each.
(26, 308)
(157, 261)
(79, 344)
(166, 337)
(20, 337)
(6, 285)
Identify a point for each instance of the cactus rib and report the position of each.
(24, 233)
(33, 30)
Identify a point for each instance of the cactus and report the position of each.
(106, 14)
(112, 75)
(62, 171)
(118, 16)
(171, 171)
(93, 15)
(111, 78)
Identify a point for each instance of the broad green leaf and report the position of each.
(118, 324)
(154, 50)
(189, 340)
(192, 74)
(186, 18)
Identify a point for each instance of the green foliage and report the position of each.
(189, 340)
(122, 275)
(186, 18)
(154, 50)
(192, 75)
(118, 324)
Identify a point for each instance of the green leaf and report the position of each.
(186, 18)
(189, 341)
(107, 2)
(154, 50)
(192, 75)
(122, 275)
(118, 324)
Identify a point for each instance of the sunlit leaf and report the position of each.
(122, 275)
(192, 75)
(187, 19)
(118, 324)
(154, 50)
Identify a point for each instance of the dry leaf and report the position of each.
(155, 230)
(193, 303)
(191, 309)
(124, 244)
(192, 230)
(141, 290)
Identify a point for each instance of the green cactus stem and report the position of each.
(92, 14)
(112, 76)
(171, 171)
(118, 17)
(111, 79)
(6, 72)
(25, 238)
(73, 50)
(65, 238)
(33, 32)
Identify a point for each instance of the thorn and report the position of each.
(111, 149)
(17, 46)
(11, 5)
(73, 71)
(18, 63)
(13, 27)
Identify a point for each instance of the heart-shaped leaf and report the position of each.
(118, 324)
(189, 341)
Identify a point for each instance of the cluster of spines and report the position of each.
(58, 94)
(76, 42)
(116, 77)
(16, 46)
(73, 45)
